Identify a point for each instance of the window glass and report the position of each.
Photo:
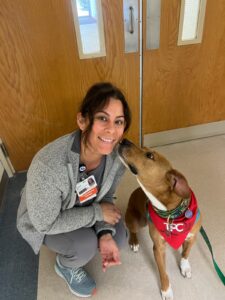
(192, 17)
(153, 24)
(191, 12)
(88, 24)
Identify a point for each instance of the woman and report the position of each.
(67, 202)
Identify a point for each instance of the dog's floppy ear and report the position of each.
(178, 183)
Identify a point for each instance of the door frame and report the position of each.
(5, 162)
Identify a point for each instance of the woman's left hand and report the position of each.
(109, 252)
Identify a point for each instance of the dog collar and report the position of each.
(176, 212)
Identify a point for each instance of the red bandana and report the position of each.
(176, 231)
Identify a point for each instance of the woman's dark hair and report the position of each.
(97, 98)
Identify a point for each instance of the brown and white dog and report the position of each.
(165, 203)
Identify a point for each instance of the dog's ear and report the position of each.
(178, 183)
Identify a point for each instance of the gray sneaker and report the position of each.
(79, 281)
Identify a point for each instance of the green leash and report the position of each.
(219, 272)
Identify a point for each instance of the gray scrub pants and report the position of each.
(78, 247)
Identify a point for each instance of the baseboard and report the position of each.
(184, 134)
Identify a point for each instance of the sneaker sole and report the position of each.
(72, 291)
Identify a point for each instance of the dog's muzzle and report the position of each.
(133, 169)
(123, 145)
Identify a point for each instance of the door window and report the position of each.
(191, 21)
(89, 28)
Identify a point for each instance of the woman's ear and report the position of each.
(81, 122)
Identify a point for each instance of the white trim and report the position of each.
(184, 134)
(6, 163)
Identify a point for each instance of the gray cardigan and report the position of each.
(48, 202)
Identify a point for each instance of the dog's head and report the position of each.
(154, 172)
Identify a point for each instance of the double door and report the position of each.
(43, 78)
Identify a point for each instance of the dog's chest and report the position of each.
(176, 230)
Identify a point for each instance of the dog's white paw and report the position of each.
(134, 247)
(168, 294)
(185, 268)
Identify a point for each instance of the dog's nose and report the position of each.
(126, 143)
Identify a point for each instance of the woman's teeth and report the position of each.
(105, 140)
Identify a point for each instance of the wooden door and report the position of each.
(42, 79)
(184, 85)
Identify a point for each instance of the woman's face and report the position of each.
(108, 128)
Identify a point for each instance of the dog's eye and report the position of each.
(149, 155)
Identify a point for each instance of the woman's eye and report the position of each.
(149, 155)
(105, 119)
(101, 118)
(119, 122)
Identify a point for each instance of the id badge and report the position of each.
(87, 189)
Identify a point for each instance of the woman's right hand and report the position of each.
(111, 214)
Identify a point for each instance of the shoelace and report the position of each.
(77, 274)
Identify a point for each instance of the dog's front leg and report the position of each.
(160, 258)
(166, 290)
(185, 266)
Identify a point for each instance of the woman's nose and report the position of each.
(110, 126)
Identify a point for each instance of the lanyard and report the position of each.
(82, 169)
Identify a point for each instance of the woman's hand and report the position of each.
(111, 214)
(109, 251)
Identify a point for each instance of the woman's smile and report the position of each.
(106, 140)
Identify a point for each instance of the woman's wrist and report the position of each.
(105, 234)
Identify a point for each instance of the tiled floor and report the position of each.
(203, 163)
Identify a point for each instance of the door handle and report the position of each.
(131, 22)
(131, 25)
